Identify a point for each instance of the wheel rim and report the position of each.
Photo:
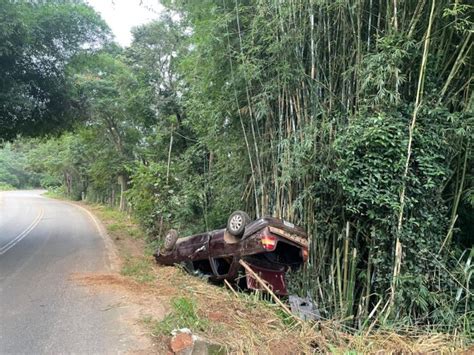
(236, 222)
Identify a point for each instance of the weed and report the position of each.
(151, 247)
(285, 318)
(183, 315)
(113, 227)
(138, 269)
(6, 187)
(133, 232)
(147, 320)
(110, 213)
(55, 192)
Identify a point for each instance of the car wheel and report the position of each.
(170, 239)
(237, 222)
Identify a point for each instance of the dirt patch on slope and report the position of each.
(136, 302)
(141, 297)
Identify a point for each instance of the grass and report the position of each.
(119, 222)
(151, 247)
(113, 227)
(139, 269)
(6, 187)
(57, 193)
(285, 318)
(183, 315)
(110, 213)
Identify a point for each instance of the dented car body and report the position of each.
(270, 246)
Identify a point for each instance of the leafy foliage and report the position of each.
(38, 41)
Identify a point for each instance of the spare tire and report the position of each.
(170, 239)
(237, 222)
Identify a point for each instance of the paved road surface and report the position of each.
(43, 241)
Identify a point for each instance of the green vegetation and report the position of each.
(14, 167)
(183, 315)
(140, 269)
(6, 187)
(39, 40)
(352, 119)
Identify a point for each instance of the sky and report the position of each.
(122, 15)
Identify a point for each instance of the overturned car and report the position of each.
(270, 246)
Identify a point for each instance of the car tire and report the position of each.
(170, 239)
(237, 222)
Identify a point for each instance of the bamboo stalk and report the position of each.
(231, 288)
(339, 282)
(242, 123)
(265, 286)
(457, 199)
(351, 285)
(457, 64)
(418, 100)
(346, 259)
(416, 17)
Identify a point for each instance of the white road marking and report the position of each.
(23, 234)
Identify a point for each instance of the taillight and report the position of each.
(269, 242)
(304, 254)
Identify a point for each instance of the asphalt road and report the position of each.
(43, 242)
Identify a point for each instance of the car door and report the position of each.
(222, 255)
(195, 247)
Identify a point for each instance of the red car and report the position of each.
(270, 246)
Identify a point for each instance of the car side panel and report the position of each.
(195, 247)
(219, 248)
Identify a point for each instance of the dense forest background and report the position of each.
(352, 118)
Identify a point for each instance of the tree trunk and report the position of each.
(68, 182)
(85, 186)
(122, 180)
(112, 202)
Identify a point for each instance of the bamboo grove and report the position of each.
(352, 118)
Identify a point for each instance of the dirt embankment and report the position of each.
(158, 299)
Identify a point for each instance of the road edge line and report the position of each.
(23, 234)
(114, 261)
(112, 253)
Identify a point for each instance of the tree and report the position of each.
(13, 167)
(154, 57)
(38, 41)
(108, 89)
